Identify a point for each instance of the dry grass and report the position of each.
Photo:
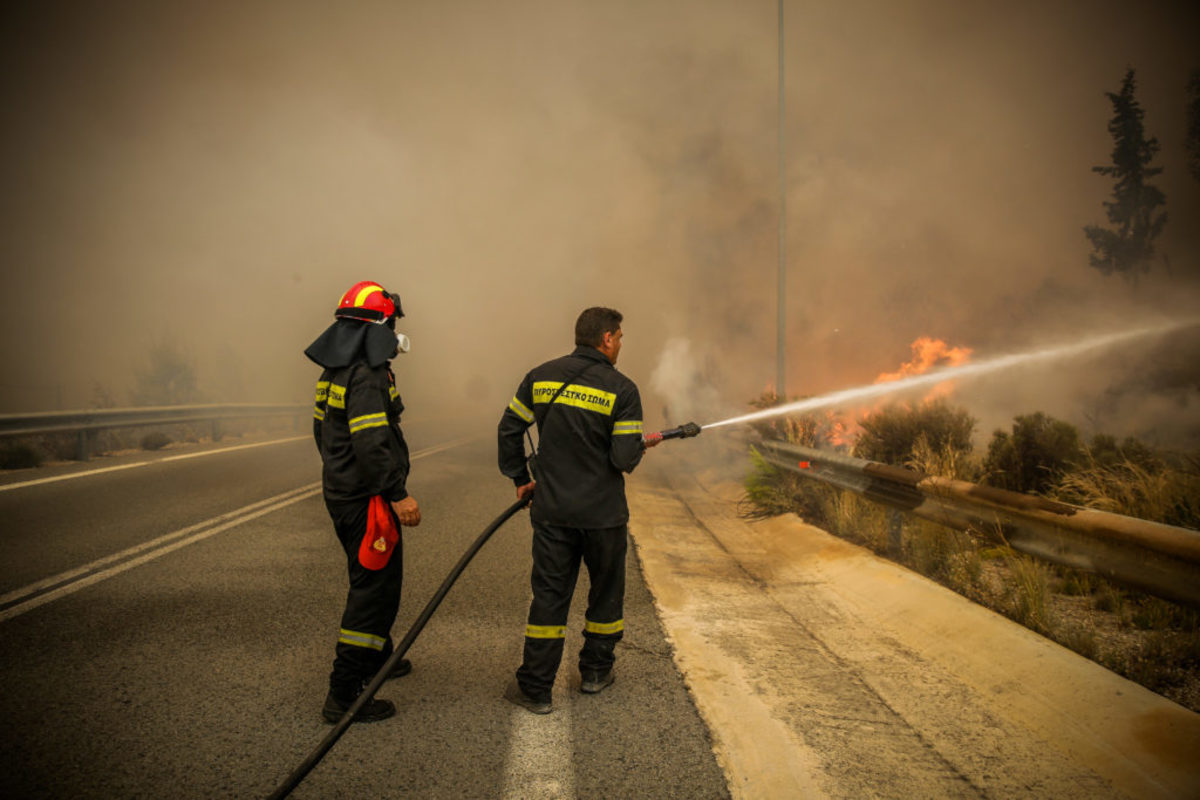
(1150, 641)
(947, 462)
(855, 519)
(770, 491)
(1165, 494)
(1027, 598)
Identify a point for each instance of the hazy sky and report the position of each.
(212, 176)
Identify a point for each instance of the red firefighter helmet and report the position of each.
(370, 302)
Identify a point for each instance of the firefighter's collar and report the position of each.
(347, 341)
(587, 351)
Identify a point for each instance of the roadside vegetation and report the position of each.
(1146, 639)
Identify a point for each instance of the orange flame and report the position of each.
(927, 353)
(841, 431)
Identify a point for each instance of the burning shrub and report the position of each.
(891, 435)
(1034, 457)
(803, 429)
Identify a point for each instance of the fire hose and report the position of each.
(293, 780)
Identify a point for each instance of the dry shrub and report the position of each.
(1034, 456)
(1162, 661)
(890, 435)
(1079, 638)
(930, 548)
(1111, 600)
(1073, 583)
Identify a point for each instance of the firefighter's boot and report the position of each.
(372, 711)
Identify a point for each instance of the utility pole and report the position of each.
(781, 319)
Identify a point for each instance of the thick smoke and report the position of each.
(212, 177)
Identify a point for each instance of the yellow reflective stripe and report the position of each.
(337, 396)
(546, 631)
(366, 292)
(359, 639)
(322, 391)
(584, 397)
(627, 426)
(518, 408)
(368, 421)
(318, 412)
(392, 393)
(605, 627)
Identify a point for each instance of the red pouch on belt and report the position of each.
(381, 537)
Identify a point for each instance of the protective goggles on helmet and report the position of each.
(369, 302)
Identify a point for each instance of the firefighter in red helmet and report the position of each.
(356, 423)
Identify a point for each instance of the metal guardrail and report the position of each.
(1160, 559)
(87, 423)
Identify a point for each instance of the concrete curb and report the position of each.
(825, 671)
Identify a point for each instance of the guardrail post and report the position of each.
(895, 533)
(83, 451)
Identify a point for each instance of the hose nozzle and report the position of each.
(685, 431)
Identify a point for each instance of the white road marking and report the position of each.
(68, 476)
(73, 580)
(64, 577)
(163, 546)
(539, 764)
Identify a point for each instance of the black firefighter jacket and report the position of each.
(356, 423)
(593, 436)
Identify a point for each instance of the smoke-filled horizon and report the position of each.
(211, 177)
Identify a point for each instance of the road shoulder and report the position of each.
(823, 670)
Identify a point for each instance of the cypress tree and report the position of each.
(1127, 247)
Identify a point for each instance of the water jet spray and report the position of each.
(996, 364)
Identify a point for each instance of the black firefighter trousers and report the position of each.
(557, 552)
(364, 641)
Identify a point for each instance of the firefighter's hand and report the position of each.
(407, 511)
(653, 440)
(526, 490)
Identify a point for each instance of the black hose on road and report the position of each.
(293, 780)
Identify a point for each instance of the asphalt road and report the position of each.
(166, 630)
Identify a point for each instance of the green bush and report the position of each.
(892, 435)
(1034, 456)
(19, 456)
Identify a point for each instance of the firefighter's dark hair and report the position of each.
(593, 323)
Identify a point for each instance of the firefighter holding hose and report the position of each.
(589, 420)
(356, 423)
